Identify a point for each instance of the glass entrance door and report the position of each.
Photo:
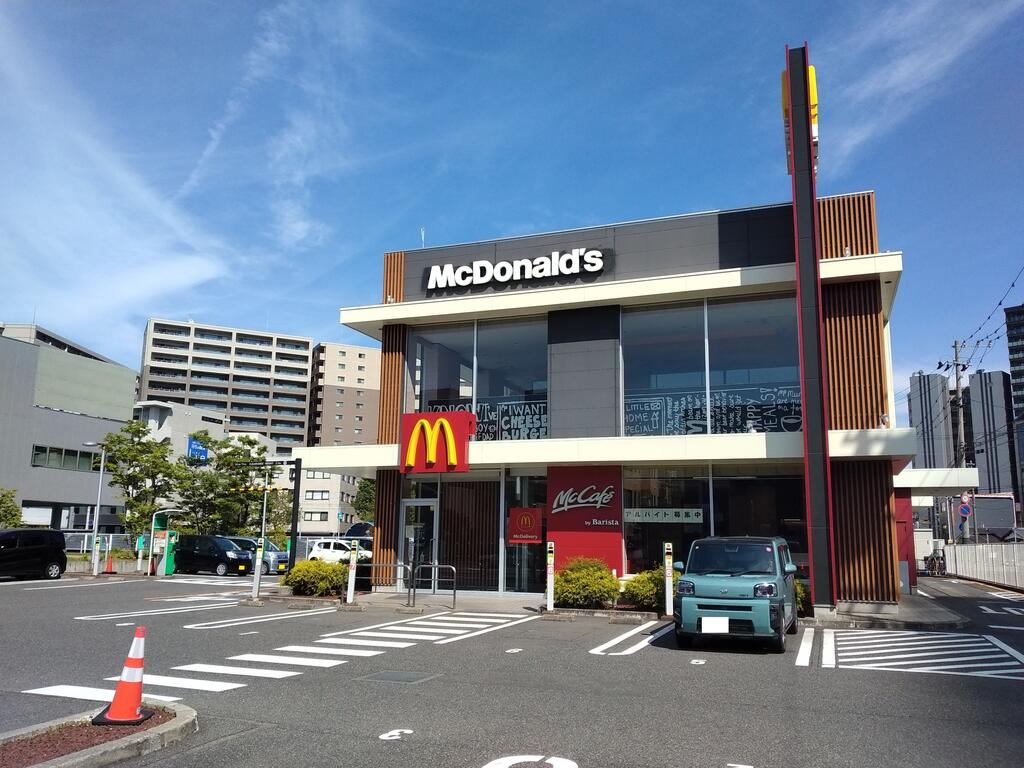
(419, 543)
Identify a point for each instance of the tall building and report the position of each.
(1015, 346)
(258, 378)
(928, 406)
(344, 395)
(56, 396)
(994, 444)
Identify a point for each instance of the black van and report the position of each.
(210, 553)
(32, 552)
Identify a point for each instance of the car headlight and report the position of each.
(766, 589)
(231, 554)
(684, 587)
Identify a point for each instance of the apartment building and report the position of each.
(259, 379)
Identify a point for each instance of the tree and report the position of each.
(200, 494)
(366, 499)
(10, 510)
(142, 468)
(279, 516)
(241, 506)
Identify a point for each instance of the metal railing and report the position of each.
(404, 566)
(433, 568)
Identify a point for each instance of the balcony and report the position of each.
(283, 371)
(291, 358)
(251, 367)
(210, 376)
(164, 374)
(208, 349)
(248, 409)
(209, 391)
(238, 421)
(169, 330)
(252, 354)
(250, 395)
(292, 345)
(209, 363)
(169, 359)
(254, 341)
(289, 385)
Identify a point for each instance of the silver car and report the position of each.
(275, 560)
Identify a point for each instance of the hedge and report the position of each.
(585, 583)
(317, 578)
(646, 590)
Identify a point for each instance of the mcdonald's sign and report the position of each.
(525, 525)
(436, 442)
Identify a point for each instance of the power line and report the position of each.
(997, 306)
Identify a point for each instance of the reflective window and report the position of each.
(754, 365)
(440, 369)
(748, 505)
(512, 380)
(663, 361)
(663, 504)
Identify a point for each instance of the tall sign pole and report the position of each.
(294, 538)
(551, 576)
(800, 113)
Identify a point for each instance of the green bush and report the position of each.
(646, 590)
(317, 578)
(803, 599)
(585, 583)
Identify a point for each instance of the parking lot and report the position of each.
(470, 686)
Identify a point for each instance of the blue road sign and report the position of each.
(196, 450)
(965, 510)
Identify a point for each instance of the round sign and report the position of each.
(965, 497)
(965, 510)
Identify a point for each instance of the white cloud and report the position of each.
(85, 242)
(893, 63)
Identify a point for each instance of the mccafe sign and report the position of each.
(578, 261)
(585, 513)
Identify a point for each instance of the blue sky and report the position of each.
(249, 163)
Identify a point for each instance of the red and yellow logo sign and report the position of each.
(525, 525)
(436, 442)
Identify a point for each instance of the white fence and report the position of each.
(996, 563)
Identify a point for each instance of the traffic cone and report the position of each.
(110, 563)
(126, 708)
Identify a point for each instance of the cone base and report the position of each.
(102, 719)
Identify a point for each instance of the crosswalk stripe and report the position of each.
(330, 651)
(470, 622)
(880, 653)
(299, 661)
(488, 615)
(367, 643)
(962, 654)
(185, 682)
(803, 656)
(90, 694)
(403, 635)
(918, 661)
(221, 669)
(828, 649)
(399, 624)
(450, 624)
(435, 628)
(907, 643)
(987, 664)
(489, 629)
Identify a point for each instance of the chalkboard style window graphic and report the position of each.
(503, 418)
(774, 408)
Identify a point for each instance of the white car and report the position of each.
(337, 551)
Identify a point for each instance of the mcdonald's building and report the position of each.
(616, 387)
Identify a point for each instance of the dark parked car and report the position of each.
(32, 552)
(210, 553)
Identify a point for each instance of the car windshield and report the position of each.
(227, 544)
(270, 546)
(245, 544)
(732, 558)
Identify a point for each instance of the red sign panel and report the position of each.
(585, 513)
(525, 525)
(436, 442)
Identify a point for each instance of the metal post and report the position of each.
(667, 550)
(96, 517)
(960, 444)
(152, 537)
(295, 515)
(551, 576)
(353, 557)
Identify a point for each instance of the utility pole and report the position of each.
(960, 443)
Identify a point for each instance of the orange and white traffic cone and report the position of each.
(126, 708)
(110, 563)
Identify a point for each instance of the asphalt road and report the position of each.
(495, 687)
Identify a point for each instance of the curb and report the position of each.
(602, 613)
(184, 722)
(865, 622)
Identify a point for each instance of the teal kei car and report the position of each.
(737, 586)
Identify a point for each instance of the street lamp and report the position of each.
(96, 514)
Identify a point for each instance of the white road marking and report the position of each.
(236, 622)
(1000, 644)
(698, 661)
(185, 682)
(459, 621)
(220, 669)
(299, 661)
(922, 593)
(485, 631)
(434, 629)
(1007, 595)
(513, 650)
(933, 645)
(803, 656)
(950, 653)
(828, 649)
(367, 643)
(393, 735)
(645, 642)
(905, 642)
(329, 651)
(738, 765)
(125, 624)
(23, 582)
(402, 635)
(193, 599)
(86, 584)
(253, 632)
(385, 624)
(986, 664)
(489, 615)
(91, 694)
(999, 626)
(154, 612)
(448, 625)
(599, 650)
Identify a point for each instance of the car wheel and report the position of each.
(52, 571)
(264, 569)
(312, 559)
(793, 627)
(221, 569)
(779, 641)
(682, 640)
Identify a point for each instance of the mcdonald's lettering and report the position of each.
(436, 442)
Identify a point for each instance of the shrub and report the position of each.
(646, 590)
(803, 599)
(585, 583)
(316, 578)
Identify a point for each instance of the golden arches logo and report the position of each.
(431, 435)
(525, 520)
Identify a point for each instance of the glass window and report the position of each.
(54, 458)
(763, 505)
(440, 362)
(360, 381)
(663, 504)
(71, 459)
(755, 366)
(38, 455)
(663, 364)
(512, 380)
(525, 564)
(85, 460)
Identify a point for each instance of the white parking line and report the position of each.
(385, 624)
(485, 631)
(402, 635)
(599, 651)
(470, 622)
(922, 593)
(434, 629)
(236, 622)
(828, 649)
(1000, 644)
(22, 583)
(803, 656)
(329, 651)
(91, 694)
(489, 615)
(86, 584)
(367, 643)
(645, 642)
(299, 661)
(449, 625)
(154, 612)
(1000, 626)
(221, 669)
(185, 682)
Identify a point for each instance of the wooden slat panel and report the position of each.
(469, 533)
(392, 367)
(385, 534)
(847, 221)
(394, 276)
(855, 348)
(865, 531)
